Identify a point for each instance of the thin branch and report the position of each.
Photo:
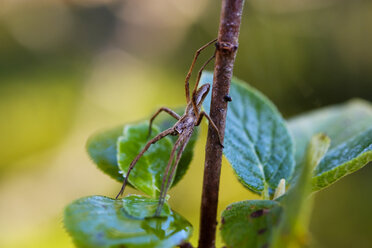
(186, 245)
(227, 45)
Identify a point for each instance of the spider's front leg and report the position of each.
(210, 122)
(194, 92)
(147, 146)
(167, 110)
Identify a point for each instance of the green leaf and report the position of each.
(339, 122)
(344, 159)
(102, 148)
(142, 207)
(349, 127)
(147, 175)
(257, 142)
(249, 224)
(98, 221)
(318, 147)
(292, 230)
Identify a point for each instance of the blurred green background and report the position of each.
(70, 68)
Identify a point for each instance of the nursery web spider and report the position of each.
(184, 128)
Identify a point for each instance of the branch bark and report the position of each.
(186, 245)
(227, 45)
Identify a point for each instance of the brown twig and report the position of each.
(227, 45)
(186, 245)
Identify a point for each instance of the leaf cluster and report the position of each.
(282, 161)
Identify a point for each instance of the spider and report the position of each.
(183, 128)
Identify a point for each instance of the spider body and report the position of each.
(183, 128)
(189, 120)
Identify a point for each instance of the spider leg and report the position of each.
(210, 122)
(167, 110)
(167, 179)
(174, 149)
(187, 88)
(133, 163)
(197, 83)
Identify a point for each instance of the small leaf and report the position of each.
(319, 145)
(280, 190)
(339, 122)
(98, 221)
(147, 175)
(249, 224)
(344, 159)
(102, 148)
(349, 127)
(292, 230)
(257, 142)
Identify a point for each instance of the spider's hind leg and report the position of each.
(167, 178)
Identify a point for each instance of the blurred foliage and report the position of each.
(34, 118)
(297, 204)
(68, 68)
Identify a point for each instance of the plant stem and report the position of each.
(227, 45)
(186, 245)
